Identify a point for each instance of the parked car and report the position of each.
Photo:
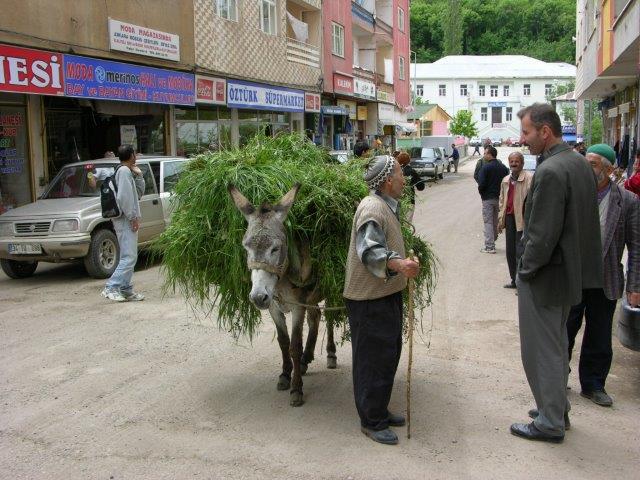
(429, 161)
(513, 141)
(475, 142)
(530, 162)
(496, 141)
(66, 222)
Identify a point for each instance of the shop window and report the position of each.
(268, 17)
(337, 40)
(202, 129)
(261, 122)
(15, 172)
(226, 9)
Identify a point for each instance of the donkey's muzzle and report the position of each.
(260, 299)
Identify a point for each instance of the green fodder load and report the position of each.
(202, 248)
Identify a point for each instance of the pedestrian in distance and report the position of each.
(413, 179)
(562, 256)
(476, 150)
(489, 179)
(455, 157)
(130, 188)
(481, 162)
(633, 182)
(619, 226)
(513, 192)
(361, 149)
(376, 274)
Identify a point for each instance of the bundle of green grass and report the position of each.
(202, 251)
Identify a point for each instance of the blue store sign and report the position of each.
(263, 97)
(497, 104)
(101, 79)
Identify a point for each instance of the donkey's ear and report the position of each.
(284, 205)
(240, 201)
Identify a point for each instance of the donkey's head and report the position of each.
(265, 242)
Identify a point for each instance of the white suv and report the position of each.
(66, 222)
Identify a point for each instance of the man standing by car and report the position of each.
(411, 178)
(513, 192)
(130, 188)
(562, 256)
(619, 226)
(489, 178)
(455, 157)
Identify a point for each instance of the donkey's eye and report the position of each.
(275, 249)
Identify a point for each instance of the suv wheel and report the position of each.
(103, 255)
(17, 269)
(441, 174)
(449, 167)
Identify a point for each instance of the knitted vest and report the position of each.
(360, 284)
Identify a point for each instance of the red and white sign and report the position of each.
(23, 70)
(211, 90)
(342, 83)
(127, 37)
(312, 102)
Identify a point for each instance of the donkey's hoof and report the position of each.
(296, 399)
(332, 362)
(284, 382)
(303, 368)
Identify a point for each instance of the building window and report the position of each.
(426, 128)
(337, 44)
(481, 90)
(400, 19)
(494, 90)
(200, 129)
(509, 114)
(463, 90)
(505, 90)
(483, 114)
(227, 9)
(527, 89)
(442, 90)
(268, 17)
(547, 89)
(401, 68)
(420, 90)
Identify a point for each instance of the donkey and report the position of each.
(282, 284)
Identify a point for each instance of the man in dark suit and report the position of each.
(619, 226)
(562, 256)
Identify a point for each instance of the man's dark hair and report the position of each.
(125, 152)
(360, 148)
(492, 150)
(542, 114)
(453, 145)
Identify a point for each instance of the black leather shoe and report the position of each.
(396, 420)
(385, 436)
(510, 285)
(533, 413)
(599, 397)
(530, 432)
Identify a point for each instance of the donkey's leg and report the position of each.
(332, 359)
(313, 320)
(284, 381)
(297, 315)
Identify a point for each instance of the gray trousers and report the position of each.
(490, 217)
(544, 348)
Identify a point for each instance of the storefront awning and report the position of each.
(406, 127)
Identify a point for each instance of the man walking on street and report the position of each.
(513, 192)
(455, 157)
(489, 178)
(619, 226)
(414, 180)
(130, 188)
(376, 275)
(562, 256)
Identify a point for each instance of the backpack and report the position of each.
(108, 192)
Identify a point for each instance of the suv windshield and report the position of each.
(417, 152)
(79, 181)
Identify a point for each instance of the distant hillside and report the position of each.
(538, 28)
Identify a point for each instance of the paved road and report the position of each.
(151, 391)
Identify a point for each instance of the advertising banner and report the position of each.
(23, 70)
(263, 97)
(364, 88)
(211, 90)
(342, 84)
(105, 80)
(127, 37)
(312, 102)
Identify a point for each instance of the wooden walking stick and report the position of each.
(410, 362)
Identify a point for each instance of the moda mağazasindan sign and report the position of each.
(131, 38)
(105, 80)
(263, 97)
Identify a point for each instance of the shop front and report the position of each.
(15, 168)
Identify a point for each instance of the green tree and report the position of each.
(569, 114)
(463, 124)
(453, 29)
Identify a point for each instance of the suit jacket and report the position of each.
(520, 195)
(562, 248)
(622, 227)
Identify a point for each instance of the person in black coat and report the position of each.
(412, 180)
(489, 178)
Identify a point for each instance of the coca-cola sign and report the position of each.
(211, 90)
(23, 70)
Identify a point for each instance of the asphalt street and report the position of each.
(153, 390)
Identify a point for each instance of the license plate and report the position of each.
(25, 248)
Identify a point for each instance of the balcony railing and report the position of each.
(361, 13)
(364, 74)
(300, 52)
(384, 31)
